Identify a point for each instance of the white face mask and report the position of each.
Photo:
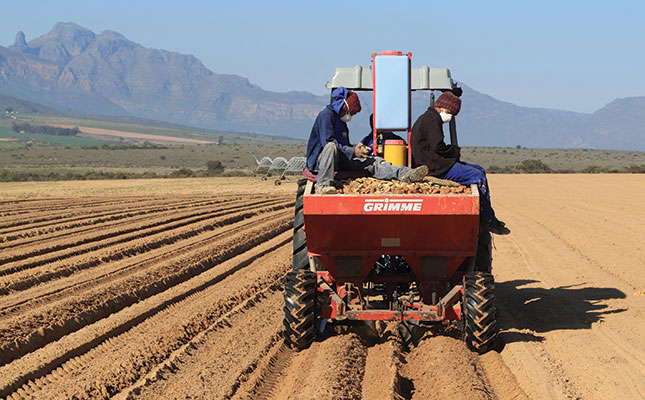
(347, 117)
(445, 117)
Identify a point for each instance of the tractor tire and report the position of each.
(479, 323)
(300, 259)
(299, 309)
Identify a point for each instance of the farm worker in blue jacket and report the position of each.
(443, 161)
(330, 150)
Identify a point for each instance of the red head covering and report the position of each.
(353, 103)
(449, 101)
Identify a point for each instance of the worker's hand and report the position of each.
(361, 151)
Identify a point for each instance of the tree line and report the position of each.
(44, 129)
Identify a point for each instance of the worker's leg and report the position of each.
(381, 169)
(467, 174)
(326, 163)
(376, 167)
(483, 171)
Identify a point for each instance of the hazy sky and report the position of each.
(571, 55)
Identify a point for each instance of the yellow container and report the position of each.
(395, 152)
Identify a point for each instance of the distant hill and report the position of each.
(10, 103)
(619, 124)
(71, 68)
(486, 121)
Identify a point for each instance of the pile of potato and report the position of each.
(429, 185)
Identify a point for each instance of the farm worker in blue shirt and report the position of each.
(329, 148)
(368, 140)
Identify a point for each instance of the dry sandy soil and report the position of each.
(171, 289)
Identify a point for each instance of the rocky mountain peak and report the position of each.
(65, 41)
(62, 28)
(111, 35)
(20, 43)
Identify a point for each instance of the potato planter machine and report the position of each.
(412, 258)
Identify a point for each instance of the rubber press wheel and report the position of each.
(479, 323)
(299, 308)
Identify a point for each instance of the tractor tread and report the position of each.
(300, 258)
(299, 241)
(484, 255)
(298, 221)
(299, 312)
(479, 327)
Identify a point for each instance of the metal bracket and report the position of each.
(340, 304)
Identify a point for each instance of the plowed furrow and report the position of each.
(53, 320)
(56, 204)
(269, 375)
(240, 350)
(12, 238)
(40, 219)
(71, 210)
(73, 226)
(153, 335)
(111, 221)
(383, 369)
(75, 246)
(442, 367)
(340, 366)
(332, 369)
(147, 252)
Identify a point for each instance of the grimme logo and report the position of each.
(372, 205)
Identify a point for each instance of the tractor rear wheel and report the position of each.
(479, 323)
(300, 259)
(299, 284)
(484, 256)
(299, 308)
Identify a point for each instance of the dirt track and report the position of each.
(180, 297)
(136, 136)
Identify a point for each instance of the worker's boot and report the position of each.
(325, 189)
(497, 227)
(415, 175)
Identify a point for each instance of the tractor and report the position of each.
(416, 259)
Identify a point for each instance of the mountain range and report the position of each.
(71, 68)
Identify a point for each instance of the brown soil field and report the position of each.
(172, 289)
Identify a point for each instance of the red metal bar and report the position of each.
(392, 204)
(374, 146)
(386, 315)
(409, 149)
(334, 307)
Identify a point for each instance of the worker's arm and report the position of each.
(422, 150)
(434, 135)
(425, 140)
(328, 134)
(428, 147)
(447, 150)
